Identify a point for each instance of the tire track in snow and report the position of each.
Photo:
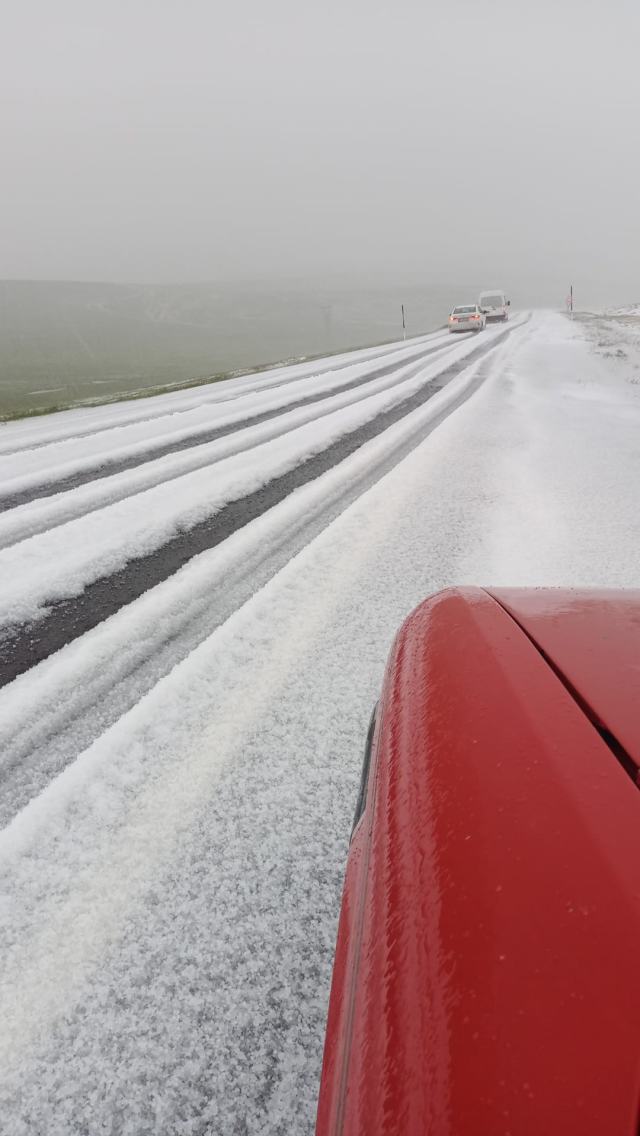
(45, 514)
(111, 466)
(60, 562)
(23, 646)
(55, 711)
(84, 422)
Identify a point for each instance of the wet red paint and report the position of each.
(486, 976)
(593, 639)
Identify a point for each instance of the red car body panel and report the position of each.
(486, 977)
(593, 639)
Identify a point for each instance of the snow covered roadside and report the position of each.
(61, 562)
(616, 338)
(44, 513)
(142, 757)
(92, 671)
(174, 895)
(628, 310)
(28, 433)
(50, 463)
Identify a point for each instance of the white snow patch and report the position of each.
(174, 894)
(61, 562)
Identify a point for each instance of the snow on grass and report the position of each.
(618, 342)
(626, 310)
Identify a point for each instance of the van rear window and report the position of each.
(492, 301)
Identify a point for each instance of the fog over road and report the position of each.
(198, 594)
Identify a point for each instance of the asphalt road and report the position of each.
(24, 645)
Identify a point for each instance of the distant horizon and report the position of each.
(600, 294)
(344, 144)
(66, 342)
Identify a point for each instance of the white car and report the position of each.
(468, 317)
(494, 305)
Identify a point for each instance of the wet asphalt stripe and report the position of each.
(45, 524)
(109, 468)
(22, 646)
(99, 427)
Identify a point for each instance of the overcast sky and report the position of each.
(180, 140)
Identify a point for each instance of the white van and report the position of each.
(494, 305)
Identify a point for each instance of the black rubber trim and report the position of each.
(350, 990)
(364, 776)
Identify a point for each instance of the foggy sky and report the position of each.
(179, 140)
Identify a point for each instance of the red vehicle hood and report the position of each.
(592, 641)
(487, 977)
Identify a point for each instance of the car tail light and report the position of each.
(453, 319)
(475, 317)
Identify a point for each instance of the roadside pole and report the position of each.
(404, 330)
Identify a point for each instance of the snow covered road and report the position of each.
(178, 778)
